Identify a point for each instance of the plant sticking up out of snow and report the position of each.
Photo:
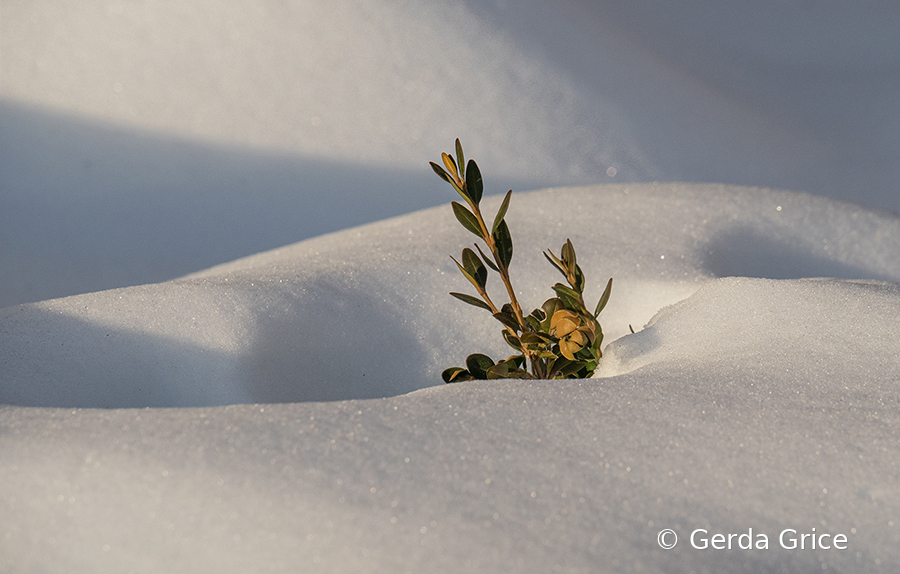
(561, 338)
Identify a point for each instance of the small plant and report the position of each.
(560, 339)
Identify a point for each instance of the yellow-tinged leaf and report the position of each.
(578, 338)
(451, 165)
(571, 344)
(564, 322)
(568, 350)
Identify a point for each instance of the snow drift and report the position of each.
(364, 313)
(766, 402)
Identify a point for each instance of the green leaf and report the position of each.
(508, 319)
(502, 212)
(520, 374)
(478, 365)
(472, 300)
(585, 354)
(487, 259)
(556, 365)
(474, 182)
(466, 274)
(446, 177)
(563, 367)
(539, 315)
(515, 361)
(474, 266)
(568, 254)
(466, 218)
(504, 245)
(505, 370)
(568, 296)
(604, 299)
(498, 371)
(554, 261)
(598, 341)
(441, 173)
(512, 340)
(579, 279)
(537, 338)
(460, 160)
(456, 375)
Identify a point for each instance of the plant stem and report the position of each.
(524, 327)
(487, 300)
(504, 271)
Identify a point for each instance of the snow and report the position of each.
(224, 320)
(746, 402)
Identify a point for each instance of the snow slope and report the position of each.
(304, 321)
(767, 401)
(141, 142)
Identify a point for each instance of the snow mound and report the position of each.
(823, 332)
(364, 313)
(766, 403)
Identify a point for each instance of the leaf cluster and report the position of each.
(559, 339)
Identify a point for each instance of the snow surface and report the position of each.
(160, 162)
(768, 401)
